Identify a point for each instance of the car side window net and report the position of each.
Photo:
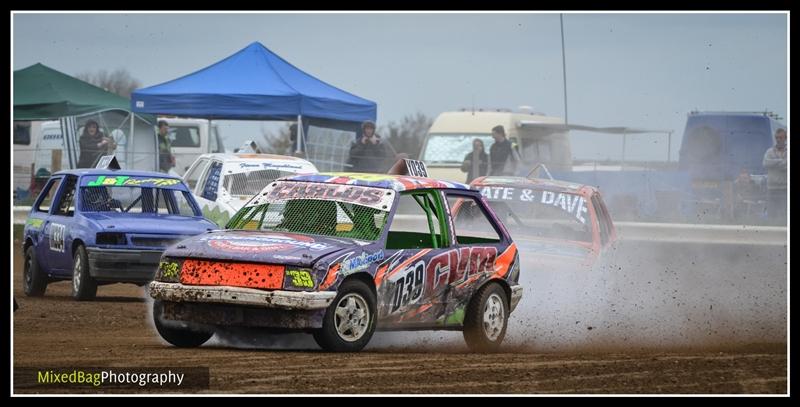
(314, 217)
(135, 200)
(251, 183)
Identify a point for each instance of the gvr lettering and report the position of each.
(455, 266)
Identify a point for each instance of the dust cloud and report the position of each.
(642, 295)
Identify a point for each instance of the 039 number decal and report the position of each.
(408, 288)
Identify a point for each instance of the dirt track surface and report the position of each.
(113, 331)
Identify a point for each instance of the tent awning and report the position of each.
(252, 84)
(42, 93)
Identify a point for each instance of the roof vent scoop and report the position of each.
(108, 162)
(407, 166)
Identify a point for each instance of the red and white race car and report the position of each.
(556, 224)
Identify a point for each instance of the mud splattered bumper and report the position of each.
(516, 295)
(290, 300)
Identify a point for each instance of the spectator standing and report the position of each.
(775, 160)
(476, 162)
(369, 153)
(93, 145)
(501, 155)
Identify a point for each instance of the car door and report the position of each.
(482, 250)
(417, 241)
(40, 215)
(61, 227)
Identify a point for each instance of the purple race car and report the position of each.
(341, 255)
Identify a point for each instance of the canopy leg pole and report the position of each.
(300, 135)
(67, 132)
(624, 139)
(129, 159)
(669, 147)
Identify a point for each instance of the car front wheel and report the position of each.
(178, 333)
(349, 321)
(34, 282)
(486, 319)
(84, 287)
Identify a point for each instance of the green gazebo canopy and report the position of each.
(42, 93)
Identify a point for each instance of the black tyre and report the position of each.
(178, 333)
(349, 321)
(486, 319)
(84, 287)
(34, 281)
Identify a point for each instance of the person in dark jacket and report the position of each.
(93, 145)
(500, 154)
(475, 162)
(369, 153)
(165, 158)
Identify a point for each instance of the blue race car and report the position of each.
(99, 226)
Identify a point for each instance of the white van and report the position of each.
(536, 137)
(190, 138)
(25, 137)
(34, 143)
(49, 140)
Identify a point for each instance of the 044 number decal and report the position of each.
(57, 233)
(408, 287)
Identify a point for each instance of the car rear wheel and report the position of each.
(84, 287)
(178, 333)
(34, 282)
(349, 321)
(486, 319)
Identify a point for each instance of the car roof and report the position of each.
(253, 157)
(96, 171)
(723, 113)
(542, 183)
(395, 182)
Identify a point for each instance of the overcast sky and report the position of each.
(643, 70)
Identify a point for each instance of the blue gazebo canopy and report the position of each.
(252, 84)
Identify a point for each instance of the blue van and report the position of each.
(716, 146)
